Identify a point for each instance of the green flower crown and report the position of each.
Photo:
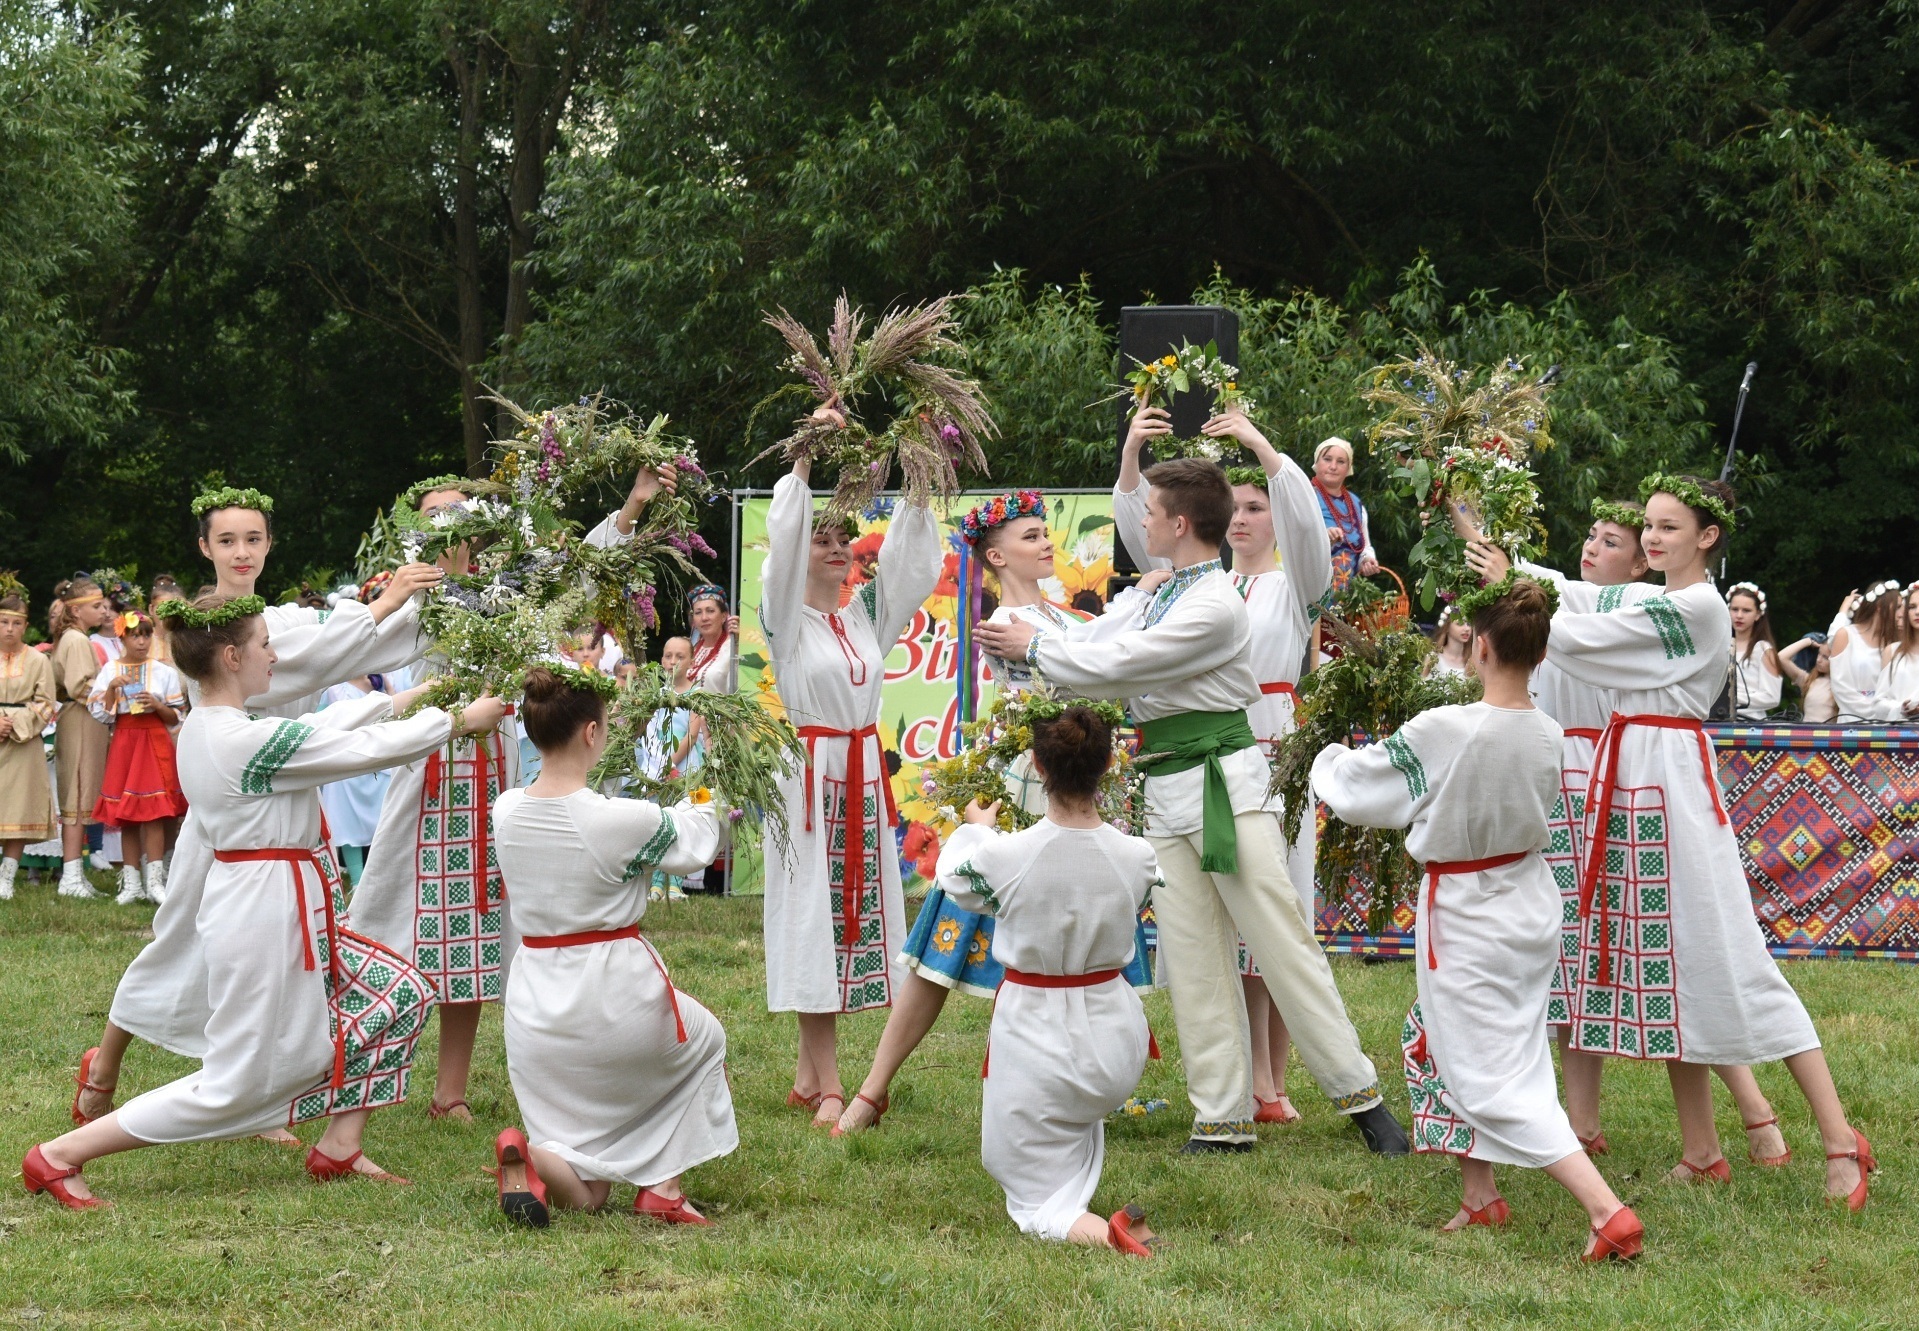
(180, 614)
(406, 509)
(1473, 602)
(1621, 515)
(591, 681)
(1688, 491)
(10, 585)
(1051, 709)
(1254, 476)
(849, 523)
(230, 496)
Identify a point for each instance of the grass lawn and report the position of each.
(902, 1227)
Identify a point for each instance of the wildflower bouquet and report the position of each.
(1371, 689)
(1460, 441)
(998, 746)
(940, 419)
(1153, 383)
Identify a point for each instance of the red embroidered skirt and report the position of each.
(142, 784)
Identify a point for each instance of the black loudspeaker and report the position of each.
(1147, 332)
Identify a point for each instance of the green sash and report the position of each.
(1181, 743)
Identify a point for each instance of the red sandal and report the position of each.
(794, 1100)
(1493, 1215)
(39, 1176)
(1861, 1155)
(1278, 1110)
(1593, 1145)
(834, 1121)
(436, 1110)
(1127, 1231)
(1719, 1171)
(522, 1191)
(1767, 1161)
(676, 1212)
(84, 1083)
(1620, 1239)
(880, 1106)
(325, 1169)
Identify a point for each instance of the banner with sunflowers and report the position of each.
(919, 719)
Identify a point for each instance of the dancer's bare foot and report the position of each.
(280, 1137)
(832, 1106)
(861, 1114)
(1766, 1142)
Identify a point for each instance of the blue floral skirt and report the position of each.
(954, 949)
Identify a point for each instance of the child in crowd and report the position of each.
(143, 701)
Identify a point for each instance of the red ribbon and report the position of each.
(1438, 869)
(1281, 686)
(1606, 778)
(613, 935)
(1583, 732)
(297, 856)
(853, 874)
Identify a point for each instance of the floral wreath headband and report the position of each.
(228, 496)
(1620, 515)
(1690, 493)
(707, 591)
(181, 614)
(1750, 589)
(1878, 590)
(133, 621)
(1000, 510)
(1253, 476)
(10, 585)
(1473, 602)
(825, 519)
(585, 681)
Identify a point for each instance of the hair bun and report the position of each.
(542, 684)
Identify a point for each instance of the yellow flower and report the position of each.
(699, 795)
(1169, 360)
(946, 937)
(981, 946)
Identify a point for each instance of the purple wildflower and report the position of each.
(643, 602)
(700, 547)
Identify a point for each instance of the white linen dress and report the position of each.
(828, 669)
(1059, 1060)
(1472, 784)
(1898, 684)
(254, 785)
(162, 996)
(602, 1077)
(1673, 962)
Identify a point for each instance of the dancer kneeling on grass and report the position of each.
(1068, 1039)
(1474, 787)
(308, 1020)
(619, 1076)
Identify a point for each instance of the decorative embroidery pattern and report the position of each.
(981, 888)
(456, 944)
(1401, 754)
(1176, 587)
(1355, 1100)
(1672, 628)
(1565, 852)
(1637, 1015)
(862, 961)
(265, 764)
(656, 846)
(1437, 1128)
(1235, 1129)
(869, 599)
(1611, 598)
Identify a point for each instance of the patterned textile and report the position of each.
(1827, 820)
(456, 943)
(954, 949)
(382, 1004)
(1637, 1014)
(1563, 854)
(1436, 1128)
(864, 975)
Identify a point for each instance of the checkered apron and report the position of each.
(459, 913)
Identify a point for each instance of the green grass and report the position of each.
(903, 1227)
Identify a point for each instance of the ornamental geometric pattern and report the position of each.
(1827, 822)
(1437, 1127)
(863, 961)
(456, 944)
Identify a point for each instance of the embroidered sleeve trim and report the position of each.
(656, 846)
(1673, 635)
(1401, 755)
(981, 888)
(1611, 598)
(265, 764)
(870, 599)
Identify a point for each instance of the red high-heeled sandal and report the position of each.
(84, 1083)
(1861, 1155)
(325, 1169)
(879, 1106)
(1128, 1233)
(1766, 1161)
(674, 1212)
(794, 1100)
(39, 1176)
(1594, 1145)
(1719, 1171)
(1620, 1239)
(1493, 1215)
(834, 1121)
(435, 1110)
(522, 1191)
(1278, 1110)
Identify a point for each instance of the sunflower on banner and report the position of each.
(1460, 441)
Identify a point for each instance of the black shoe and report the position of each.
(1382, 1132)
(1210, 1146)
(1374, 959)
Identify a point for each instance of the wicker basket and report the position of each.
(1392, 613)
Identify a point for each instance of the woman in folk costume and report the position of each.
(432, 890)
(309, 1020)
(1068, 1039)
(1757, 685)
(834, 913)
(1283, 571)
(1184, 667)
(1859, 650)
(1896, 698)
(1344, 515)
(716, 640)
(1671, 966)
(79, 741)
(1473, 787)
(142, 701)
(26, 706)
(162, 997)
(620, 1077)
(950, 946)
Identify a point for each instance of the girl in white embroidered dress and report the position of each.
(1755, 658)
(1859, 650)
(834, 913)
(619, 1077)
(264, 913)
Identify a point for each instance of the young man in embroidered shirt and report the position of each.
(1184, 669)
